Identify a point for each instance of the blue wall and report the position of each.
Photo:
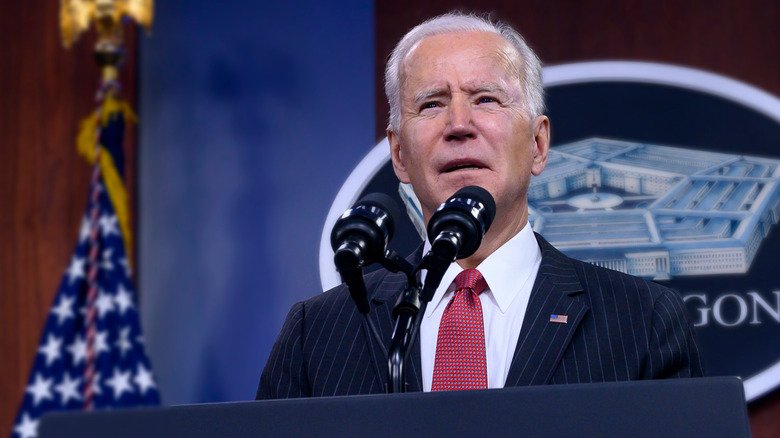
(252, 116)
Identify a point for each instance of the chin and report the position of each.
(463, 178)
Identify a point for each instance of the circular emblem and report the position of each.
(663, 172)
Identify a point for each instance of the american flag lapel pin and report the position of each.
(561, 319)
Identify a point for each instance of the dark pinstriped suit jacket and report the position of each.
(619, 328)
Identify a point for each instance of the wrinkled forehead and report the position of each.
(432, 51)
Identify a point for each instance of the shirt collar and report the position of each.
(506, 270)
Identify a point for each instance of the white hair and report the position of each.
(456, 22)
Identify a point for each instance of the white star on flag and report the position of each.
(64, 309)
(123, 343)
(52, 349)
(120, 382)
(84, 230)
(96, 384)
(104, 304)
(40, 389)
(101, 342)
(106, 263)
(108, 225)
(27, 428)
(76, 269)
(144, 379)
(68, 389)
(123, 300)
(78, 349)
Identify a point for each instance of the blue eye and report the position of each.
(486, 100)
(429, 105)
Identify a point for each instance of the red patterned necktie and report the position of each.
(460, 347)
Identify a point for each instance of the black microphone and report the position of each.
(458, 225)
(455, 232)
(359, 238)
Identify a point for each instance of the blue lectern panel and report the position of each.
(668, 408)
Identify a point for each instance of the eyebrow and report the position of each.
(429, 93)
(489, 88)
(438, 92)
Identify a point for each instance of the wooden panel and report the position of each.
(741, 41)
(44, 91)
(765, 416)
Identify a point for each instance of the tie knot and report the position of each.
(470, 279)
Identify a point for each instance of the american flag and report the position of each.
(123, 375)
(99, 365)
(561, 319)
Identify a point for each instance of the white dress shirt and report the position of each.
(510, 273)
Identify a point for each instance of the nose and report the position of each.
(460, 126)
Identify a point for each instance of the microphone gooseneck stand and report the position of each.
(407, 322)
(408, 314)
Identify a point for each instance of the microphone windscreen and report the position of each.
(480, 195)
(384, 203)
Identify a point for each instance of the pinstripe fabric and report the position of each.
(619, 328)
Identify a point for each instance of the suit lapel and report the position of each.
(414, 369)
(541, 343)
(381, 316)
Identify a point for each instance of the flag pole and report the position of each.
(75, 18)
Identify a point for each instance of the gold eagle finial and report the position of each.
(76, 16)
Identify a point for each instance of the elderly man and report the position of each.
(467, 109)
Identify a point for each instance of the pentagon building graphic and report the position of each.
(655, 211)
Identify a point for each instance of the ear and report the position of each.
(397, 157)
(541, 132)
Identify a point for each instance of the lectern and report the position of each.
(704, 407)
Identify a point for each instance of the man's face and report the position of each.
(462, 123)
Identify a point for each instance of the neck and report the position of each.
(501, 231)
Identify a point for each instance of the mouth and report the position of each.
(456, 165)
